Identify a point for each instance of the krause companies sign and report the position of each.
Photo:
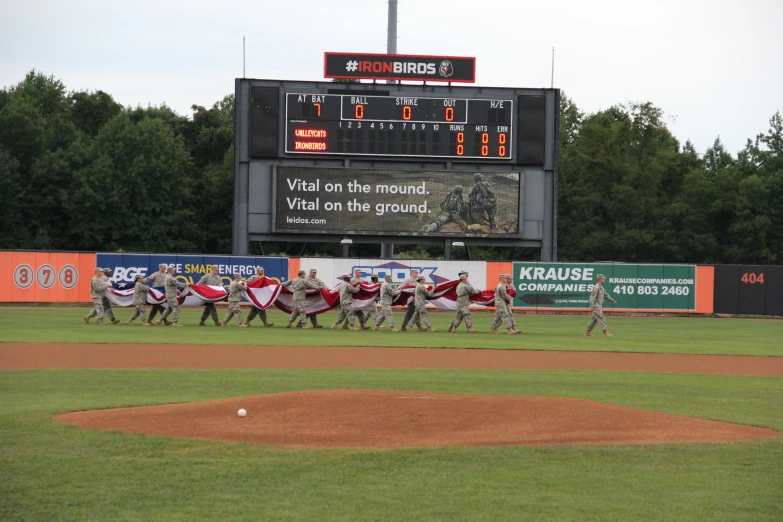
(400, 67)
(635, 287)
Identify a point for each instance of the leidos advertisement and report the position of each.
(637, 287)
(394, 202)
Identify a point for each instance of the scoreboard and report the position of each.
(448, 127)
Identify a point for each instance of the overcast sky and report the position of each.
(715, 67)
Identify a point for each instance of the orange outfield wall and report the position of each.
(45, 277)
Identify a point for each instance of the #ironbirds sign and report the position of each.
(400, 67)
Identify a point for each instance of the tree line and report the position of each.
(79, 171)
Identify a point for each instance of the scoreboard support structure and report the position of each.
(379, 163)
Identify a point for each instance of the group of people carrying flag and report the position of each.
(304, 297)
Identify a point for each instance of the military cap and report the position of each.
(106, 270)
(421, 278)
(478, 177)
(458, 188)
(259, 268)
(98, 269)
(237, 274)
(346, 275)
(463, 273)
(387, 276)
(163, 265)
(600, 276)
(301, 272)
(139, 276)
(313, 271)
(171, 267)
(415, 270)
(505, 275)
(374, 277)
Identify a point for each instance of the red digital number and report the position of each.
(460, 137)
(406, 112)
(460, 150)
(502, 139)
(360, 112)
(484, 138)
(502, 150)
(68, 276)
(317, 109)
(47, 273)
(24, 276)
(449, 114)
(484, 150)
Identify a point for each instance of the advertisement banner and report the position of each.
(400, 67)
(636, 287)
(45, 277)
(396, 202)
(190, 268)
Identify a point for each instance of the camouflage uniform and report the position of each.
(370, 312)
(358, 313)
(300, 286)
(464, 290)
(256, 312)
(388, 293)
(411, 307)
(97, 293)
(106, 303)
(139, 300)
(157, 280)
(235, 290)
(483, 203)
(421, 305)
(171, 285)
(346, 304)
(210, 310)
(316, 284)
(502, 310)
(597, 306)
(451, 209)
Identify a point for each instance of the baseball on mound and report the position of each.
(241, 413)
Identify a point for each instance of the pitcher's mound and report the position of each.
(397, 419)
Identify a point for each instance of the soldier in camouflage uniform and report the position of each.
(235, 290)
(422, 293)
(107, 310)
(299, 286)
(411, 307)
(502, 308)
(171, 285)
(357, 278)
(464, 291)
(156, 280)
(317, 284)
(210, 279)
(597, 306)
(483, 203)
(347, 289)
(139, 300)
(97, 293)
(388, 293)
(451, 209)
(370, 312)
(253, 310)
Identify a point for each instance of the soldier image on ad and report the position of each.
(210, 310)
(235, 291)
(502, 307)
(452, 209)
(597, 306)
(464, 291)
(483, 203)
(139, 300)
(253, 310)
(317, 284)
(171, 285)
(156, 280)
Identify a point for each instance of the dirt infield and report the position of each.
(195, 356)
(396, 419)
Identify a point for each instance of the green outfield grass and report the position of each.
(52, 471)
(632, 334)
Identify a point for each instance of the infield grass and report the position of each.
(60, 472)
(688, 335)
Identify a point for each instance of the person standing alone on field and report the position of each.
(597, 306)
(411, 281)
(502, 307)
(210, 279)
(171, 285)
(260, 312)
(234, 297)
(156, 280)
(139, 300)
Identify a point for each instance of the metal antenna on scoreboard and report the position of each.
(243, 57)
(553, 68)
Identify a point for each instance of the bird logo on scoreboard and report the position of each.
(446, 68)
